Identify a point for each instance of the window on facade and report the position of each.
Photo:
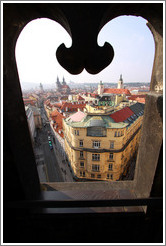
(109, 176)
(92, 175)
(76, 132)
(96, 131)
(81, 143)
(111, 156)
(82, 174)
(111, 145)
(96, 144)
(95, 157)
(115, 135)
(99, 176)
(110, 166)
(81, 164)
(95, 168)
(81, 154)
(118, 134)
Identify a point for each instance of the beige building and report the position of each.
(99, 146)
(37, 117)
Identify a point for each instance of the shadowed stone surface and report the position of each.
(83, 22)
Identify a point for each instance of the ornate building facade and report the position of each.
(100, 145)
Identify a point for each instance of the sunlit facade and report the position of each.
(100, 145)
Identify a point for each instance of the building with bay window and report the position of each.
(99, 146)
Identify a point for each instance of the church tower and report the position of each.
(100, 88)
(120, 83)
(58, 85)
(41, 87)
(63, 82)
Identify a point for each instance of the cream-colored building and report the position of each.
(99, 146)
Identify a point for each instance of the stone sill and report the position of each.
(104, 185)
(90, 195)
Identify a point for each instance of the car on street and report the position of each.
(50, 144)
(51, 147)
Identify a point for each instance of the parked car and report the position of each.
(50, 144)
(51, 147)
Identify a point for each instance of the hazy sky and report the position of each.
(130, 37)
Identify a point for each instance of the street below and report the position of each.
(47, 163)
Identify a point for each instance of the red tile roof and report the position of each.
(117, 91)
(58, 118)
(29, 101)
(91, 94)
(138, 98)
(58, 105)
(122, 114)
(132, 97)
(73, 107)
(80, 98)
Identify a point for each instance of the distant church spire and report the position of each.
(57, 80)
(120, 83)
(41, 87)
(63, 82)
(58, 83)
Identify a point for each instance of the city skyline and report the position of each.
(130, 37)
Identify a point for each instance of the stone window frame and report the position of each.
(81, 164)
(110, 167)
(156, 88)
(112, 144)
(95, 167)
(81, 154)
(82, 173)
(81, 141)
(95, 157)
(110, 176)
(111, 156)
(96, 142)
(76, 132)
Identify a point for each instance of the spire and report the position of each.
(41, 87)
(63, 82)
(120, 83)
(57, 83)
(57, 80)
